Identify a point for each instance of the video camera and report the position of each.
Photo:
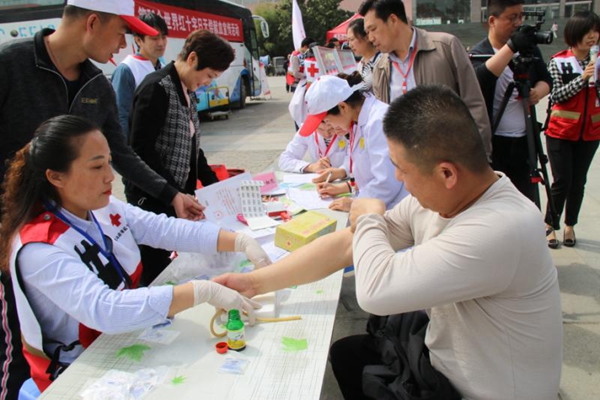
(541, 37)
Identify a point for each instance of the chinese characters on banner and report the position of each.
(182, 22)
(331, 61)
(327, 61)
(347, 59)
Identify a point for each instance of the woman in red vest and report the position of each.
(574, 128)
(71, 249)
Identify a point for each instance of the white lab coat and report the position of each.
(372, 168)
(297, 106)
(292, 159)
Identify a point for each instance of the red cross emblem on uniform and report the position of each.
(313, 70)
(115, 220)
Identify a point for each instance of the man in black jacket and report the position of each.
(49, 75)
(493, 60)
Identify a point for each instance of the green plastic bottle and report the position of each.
(236, 337)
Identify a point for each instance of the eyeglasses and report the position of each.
(513, 19)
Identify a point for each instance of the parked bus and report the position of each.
(19, 19)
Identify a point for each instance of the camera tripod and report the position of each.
(522, 65)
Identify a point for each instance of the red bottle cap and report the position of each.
(221, 347)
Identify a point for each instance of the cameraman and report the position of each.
(504, 43)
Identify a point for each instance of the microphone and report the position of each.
(593, 57)
(594, 53)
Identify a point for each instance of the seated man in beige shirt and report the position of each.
(474, 257)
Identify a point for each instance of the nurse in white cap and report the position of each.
(369, 172)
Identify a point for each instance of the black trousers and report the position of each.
(511, 156)
(14, 369)
(348, 357)
(154, 260)
(570, 162)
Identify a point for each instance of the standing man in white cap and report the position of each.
(49, 75)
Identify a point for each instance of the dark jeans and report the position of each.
(510, 155)
(348, 357)
(154, 261)
(570, 162)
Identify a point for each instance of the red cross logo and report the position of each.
(313, 70)
(115, 220)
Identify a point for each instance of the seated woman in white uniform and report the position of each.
(325, 150)
(73, 254)
(338, 100)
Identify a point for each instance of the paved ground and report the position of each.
(253, 137)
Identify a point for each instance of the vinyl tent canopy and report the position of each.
(339, 31)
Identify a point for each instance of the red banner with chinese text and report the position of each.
(182, 22)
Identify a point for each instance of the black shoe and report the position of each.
(570, 242)
(552, 243)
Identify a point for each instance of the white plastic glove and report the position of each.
(253, 250)
(223, 297)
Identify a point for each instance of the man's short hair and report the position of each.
(579, 25)
(213, 51)
(306, 42)
(156, 22)
(497, 7)
(384, 8)
(434, 125)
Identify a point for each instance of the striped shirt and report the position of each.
(366, 70)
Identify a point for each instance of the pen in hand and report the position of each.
(326, 183)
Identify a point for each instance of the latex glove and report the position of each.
(253, 250)
(225, 298)
(522, 40)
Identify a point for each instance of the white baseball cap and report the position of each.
(323, 95)
(122, 8)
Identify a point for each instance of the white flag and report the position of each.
(298, 33)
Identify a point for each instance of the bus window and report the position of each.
(15, 4)
(23, 18)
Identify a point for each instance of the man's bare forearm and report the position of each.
(310, 263)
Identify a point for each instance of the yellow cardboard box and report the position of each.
(303, 229)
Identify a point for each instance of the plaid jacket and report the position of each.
(160, 130)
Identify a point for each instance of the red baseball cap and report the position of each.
(123, 8)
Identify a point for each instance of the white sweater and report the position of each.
(489, 285)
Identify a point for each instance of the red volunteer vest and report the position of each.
(289, 77)
(579, 116)
(47, 228)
